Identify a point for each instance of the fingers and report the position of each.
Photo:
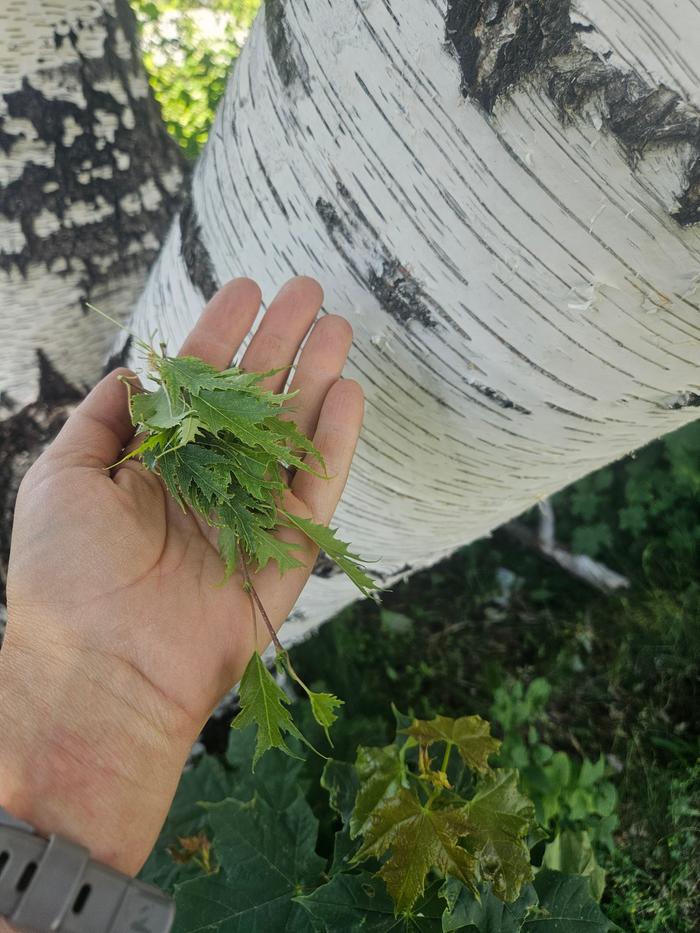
(336, 435)
(313, 497)
(223, 324)
(320, 365)
(100, 427)
(284, 326)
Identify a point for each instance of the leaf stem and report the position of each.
(255, 600)
(446, 757)
(247, 586)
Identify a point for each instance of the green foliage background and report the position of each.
(596, 698)
(189, 47)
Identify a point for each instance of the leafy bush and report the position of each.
(414, 846)
(641, 510)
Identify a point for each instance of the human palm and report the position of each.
(115, 568)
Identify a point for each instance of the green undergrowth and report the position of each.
(426, 833)
(188, 49)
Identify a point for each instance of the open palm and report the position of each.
(113, 567)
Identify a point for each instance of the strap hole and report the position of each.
(4, 859)
(26, 876)
(81, 899)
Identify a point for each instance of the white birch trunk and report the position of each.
(503, 198)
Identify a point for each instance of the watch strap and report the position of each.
(53, 885)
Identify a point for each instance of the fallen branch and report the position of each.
(582, 566)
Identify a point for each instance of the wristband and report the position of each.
(53, 885)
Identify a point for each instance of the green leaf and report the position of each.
(470, 734)
(267, 547)
(277, 779)
(323, 706)
(566, 906)
(380, 773)
(156, 410)
(572, 853)
(340, 779)
(337, 550)
(266, 858)
(190, 374)
(359, 903)
(487, 913)
(208, 781)
(499, 818)
(417, 839)
(187, 430)
(264, 703)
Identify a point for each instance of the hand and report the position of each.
(120, 638)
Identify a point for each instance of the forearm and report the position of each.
(87, 751)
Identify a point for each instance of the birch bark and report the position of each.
(503, 197)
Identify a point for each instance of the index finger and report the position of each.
(223, 324)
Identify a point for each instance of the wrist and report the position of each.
(88, 750)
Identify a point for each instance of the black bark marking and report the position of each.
(99, 249)
(194, 253)
(500, 43)
(332, 221)
(324, 567)
(119, 358)
(289, 66)
(498, 397)
(355, 208)
(54, 388)
(400, 294)
(684, 400)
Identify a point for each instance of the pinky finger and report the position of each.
(336, 436)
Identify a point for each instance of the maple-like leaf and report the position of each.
(337, 550)
(471, 735)
(499, 818)
(323, 707)
(266, 547)
(380, 773)
(417, 839)
(156, 410)
(264, 703)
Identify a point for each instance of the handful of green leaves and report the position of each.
(218, 442)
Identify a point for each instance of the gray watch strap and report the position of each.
(53, 885)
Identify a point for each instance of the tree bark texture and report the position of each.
(502, 195)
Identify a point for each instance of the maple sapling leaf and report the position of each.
(417, 839)
(264, 703)
(470, 735)
(323, 705)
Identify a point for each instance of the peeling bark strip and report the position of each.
(523, 305)
(500, 43)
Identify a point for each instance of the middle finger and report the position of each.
(282, 329)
